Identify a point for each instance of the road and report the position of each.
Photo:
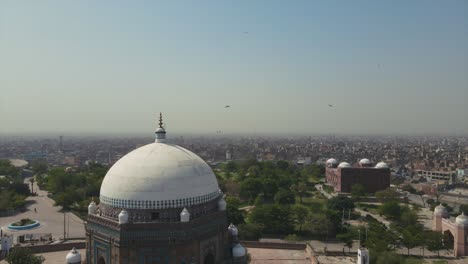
(50, 217)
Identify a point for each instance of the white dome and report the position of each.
(238, 251)
(92, 208)
(332, 161)
(381, 165)
(233, 230)
(159, 176)
(73, 257)
(123, 217)
(184, 215)
(222, 204)
(365, 161)
(344, 165)
(441, 210)
(462, 219)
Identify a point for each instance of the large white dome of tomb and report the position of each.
(158, 176)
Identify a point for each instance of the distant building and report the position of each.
(343, 176)
(228, 155)
(448, 176)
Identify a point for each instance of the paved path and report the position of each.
(48, 215)
(321, 190)
(378, 217)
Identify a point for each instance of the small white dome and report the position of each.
(344, 165)
(238, 251)
(123, 217)
(462, 220)
(222, 204)
(92, 208)
(440, 210)
(233, 229)
(365, 161)
(332, 161)
(73, 257)
(381, 165)
(184, 215)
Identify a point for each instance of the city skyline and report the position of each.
(392, 68)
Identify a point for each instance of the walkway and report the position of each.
(52, 220)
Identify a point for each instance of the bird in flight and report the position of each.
(330, 105)
(227, 106)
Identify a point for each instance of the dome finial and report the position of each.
(160, 131)
(160, 120)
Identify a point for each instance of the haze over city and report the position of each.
(393, 67)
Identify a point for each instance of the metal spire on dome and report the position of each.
(160, 120)
(160, 132)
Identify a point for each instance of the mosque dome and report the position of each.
(365, 162)
(462, 220)
(440, 210)
(332, 161)
(344, 165)
(238, 251)
(159, 176)
(381, 165)
(73, 257)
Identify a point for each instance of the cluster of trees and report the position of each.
(277, 191)
(73, 189)
(12, 189)
(23, 256)
(277, 181)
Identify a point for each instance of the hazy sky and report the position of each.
(110, 66)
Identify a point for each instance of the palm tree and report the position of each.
(32, 185)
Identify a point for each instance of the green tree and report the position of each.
(250, 188)
(284, 196)
(319, 225)
(339, 203)
(463, 209)
(300, 189)
(300, 214)
(249, 231)
(274, 218)
(389, 194)
(234, 215)
(434, 241)
(269, 188)
(40, 167)
(357, 191)
(8, 170)
(410, 240)
(408, 217)
(231, 166)
(347, 238)
(391, 210)
(21, 255)
(282, 165)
